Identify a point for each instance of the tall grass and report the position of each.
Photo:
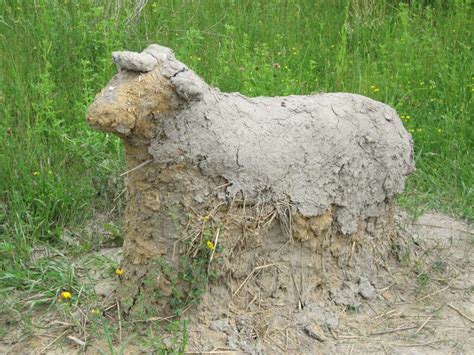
(55, 55)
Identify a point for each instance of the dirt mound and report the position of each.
(422, 303)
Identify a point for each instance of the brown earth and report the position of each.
(420, 303)
(424, 305)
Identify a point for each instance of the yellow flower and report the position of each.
(211, 245)
(439, 130)
(65, 295)
(374, 88)
(35, 173)
(119, 271)
(95, 312)
(411, 130)
(205, 218)
(407, 117)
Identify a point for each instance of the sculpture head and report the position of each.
(148, 86)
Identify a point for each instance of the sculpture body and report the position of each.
(325, 165)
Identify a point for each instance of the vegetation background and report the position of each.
(55, 55)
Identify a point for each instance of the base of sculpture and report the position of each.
(177, 249)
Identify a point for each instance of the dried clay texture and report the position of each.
(249, 174)
(312, 151)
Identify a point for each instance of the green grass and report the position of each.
(55, 172)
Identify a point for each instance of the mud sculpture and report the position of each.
(219, 183)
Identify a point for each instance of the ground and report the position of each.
(424, 306)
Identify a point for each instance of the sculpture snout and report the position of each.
(111, 116)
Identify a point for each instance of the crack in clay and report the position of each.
(179, 72)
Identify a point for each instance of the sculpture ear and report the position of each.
(189, 85)
(160, 53)
(138, 62)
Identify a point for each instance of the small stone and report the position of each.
(315, 331)
(366, 290)
(199, 199)
(220, 325)
(346, 296)
(389, 296)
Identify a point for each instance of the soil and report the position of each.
(396, 314)
(422, 304)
